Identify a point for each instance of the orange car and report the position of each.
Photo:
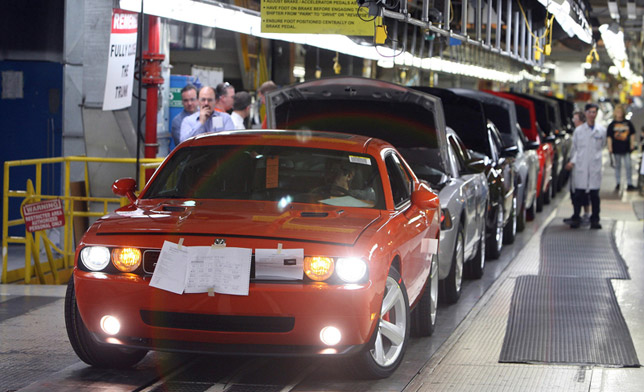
(263, 242)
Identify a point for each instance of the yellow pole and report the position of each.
(5, 222)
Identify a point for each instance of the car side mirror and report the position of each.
(424, 198)
(125, 187)
(510, 152)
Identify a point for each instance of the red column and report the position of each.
(151, 80)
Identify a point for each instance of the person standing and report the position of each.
(241, 109)
(207, 119)
(621, 141)
(224, 93)
(578, 118)
(588, 140)
(264, 89)
(190, 105)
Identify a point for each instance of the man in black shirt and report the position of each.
(620, 142)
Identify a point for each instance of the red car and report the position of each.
(262, 242)
(527, 118)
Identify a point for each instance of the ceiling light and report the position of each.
(631, 9)
(613, 9)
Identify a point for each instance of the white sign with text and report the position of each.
(120, 66)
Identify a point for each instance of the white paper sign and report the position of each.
(226, 270)
(282, 264)
(197, 269)
(120, 64)
(170, 271)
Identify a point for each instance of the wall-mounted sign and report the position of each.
(120, 64)
(316, 17)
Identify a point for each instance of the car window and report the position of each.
(399, 179)
(270, 173)
(495, 145)
(459, 150)
(425, 162)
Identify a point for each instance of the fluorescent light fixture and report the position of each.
(561, 9)
(244, 21)
(613, 38)
(631, 9)
(613, 9)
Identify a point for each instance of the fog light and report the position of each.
(110, 325)
(330, 336)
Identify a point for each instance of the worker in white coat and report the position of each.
(588, 142)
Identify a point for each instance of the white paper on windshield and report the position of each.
(279, 264)
(226, 270)
(170, 270)
(345, 201)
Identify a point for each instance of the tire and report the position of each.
(423, 318)
(385, 351)
(521, 217)
(540, 201)
(476, 266)
(546, 194)
(530, 213)
(510, 228)
(87, 349)
(495, 240)
(452, 285)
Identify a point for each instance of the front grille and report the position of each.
(219, 323)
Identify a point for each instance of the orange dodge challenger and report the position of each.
(262, 242)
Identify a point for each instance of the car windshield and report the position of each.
(425, 162)
(270, 173)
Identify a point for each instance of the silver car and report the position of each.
(503, 114)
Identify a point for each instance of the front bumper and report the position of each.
(275, 318)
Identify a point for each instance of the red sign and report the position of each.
(43, 215)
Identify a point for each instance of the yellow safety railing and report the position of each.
(33, 193)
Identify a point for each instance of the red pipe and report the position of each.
(152, 79)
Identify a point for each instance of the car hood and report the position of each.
(252, 219)
(399, 115)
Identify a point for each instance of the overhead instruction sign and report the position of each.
(120, 64)
(43, 215)
(316, 17)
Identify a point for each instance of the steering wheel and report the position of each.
(335, 190)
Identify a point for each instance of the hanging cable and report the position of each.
(548, 23)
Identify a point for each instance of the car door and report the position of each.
(412, 226)
(471, 193)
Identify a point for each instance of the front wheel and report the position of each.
(476, 266)
(87, 349)
(384, 353)
(423, 318)
(496, 237)
(452, 285)
(510, 229)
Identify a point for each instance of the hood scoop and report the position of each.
(310, 214)
(173, 208)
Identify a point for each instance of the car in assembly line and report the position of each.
(262, 242)
(502, 113)
(486, 152)
(414, 123)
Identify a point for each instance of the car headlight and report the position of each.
(95, 258)
(318, 268)
(126, 259)
(351, 269)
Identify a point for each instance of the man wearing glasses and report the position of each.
(207, 119)
(189, 101)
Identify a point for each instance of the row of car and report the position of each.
(330, 235)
